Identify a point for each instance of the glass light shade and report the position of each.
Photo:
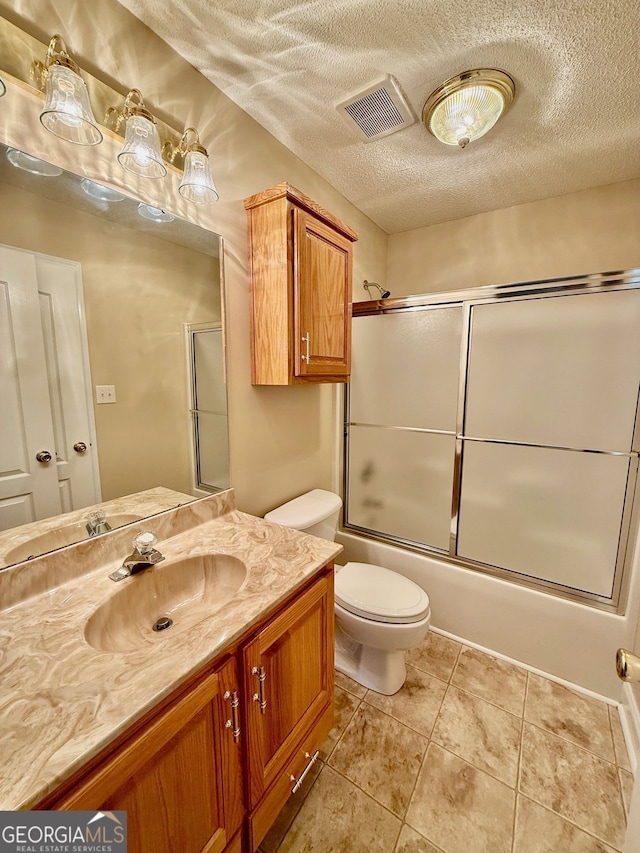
(32, 164)
(100, 193)
(467, 114)
(155, 214)
(3, 87)
(197, 182)
(141, 150)
(67, 112)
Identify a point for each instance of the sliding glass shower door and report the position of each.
(499, 429)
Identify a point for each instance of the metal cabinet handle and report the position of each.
(259, 697)
(234, 722)
(307, 340)
(80, 447)
(43, 456)
(314, 758)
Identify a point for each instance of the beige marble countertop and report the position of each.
(61, 700)
(25, 541)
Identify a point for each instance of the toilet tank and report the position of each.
(315, 512)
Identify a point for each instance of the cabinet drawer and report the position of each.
(262, 818)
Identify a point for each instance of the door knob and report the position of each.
(43, 456)
(79, 447)
(627, 665)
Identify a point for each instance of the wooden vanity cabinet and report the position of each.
(288, 675)
(179, 778)
(301, 260)
(185, 774)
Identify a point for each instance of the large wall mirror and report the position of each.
(137, 284)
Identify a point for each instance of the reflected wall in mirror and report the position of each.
(141, 283)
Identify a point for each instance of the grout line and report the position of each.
(571, 823)
(572, 743)
(484, 699)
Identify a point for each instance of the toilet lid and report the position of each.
(380, 594)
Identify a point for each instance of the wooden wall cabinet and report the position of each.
(301, 261)
(199, 778)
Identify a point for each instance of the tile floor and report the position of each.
(473, 755)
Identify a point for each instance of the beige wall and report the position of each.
(138, 292)
(595, 230)
(282, 440)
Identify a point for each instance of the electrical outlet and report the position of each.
(105, 393)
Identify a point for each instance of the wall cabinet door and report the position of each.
(322, 293)
(179, 779)
(288, 675)
(300, 259)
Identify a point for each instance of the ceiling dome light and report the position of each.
(468, 105)
(32, 164)
(67, 112)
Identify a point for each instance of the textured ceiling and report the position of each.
(574, 123)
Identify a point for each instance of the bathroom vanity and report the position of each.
(200, 732)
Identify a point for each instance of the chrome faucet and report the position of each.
(97, 523)
(144, 556)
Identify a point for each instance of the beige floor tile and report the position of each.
(411, 841)
(622, 754)
(436, 655)
(459, 808)
(626, 784)
(380, 755)
(344, 708)
(572, 782)
(492, 679)
(350, 685)
(338, 817)
(541, 831)
(571, 715)
(481, 733)
(273, 838)
(416, 704)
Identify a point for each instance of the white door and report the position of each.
(45, 389)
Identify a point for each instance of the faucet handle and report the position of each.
(97, 517)
(144, 543)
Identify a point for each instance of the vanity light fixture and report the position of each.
(141, 150)
(3, 87)
(32, 164)
(155, 214)
(197, 181)
(468, 105)
(67, 112)
(100, 193)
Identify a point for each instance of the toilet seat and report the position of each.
(379, 594)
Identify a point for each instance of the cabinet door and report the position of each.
(322, 299)
(172, 777)
(288, 675)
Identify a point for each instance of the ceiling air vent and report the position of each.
(378, 110)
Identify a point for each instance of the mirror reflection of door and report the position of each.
(208, 407)
(48, 454)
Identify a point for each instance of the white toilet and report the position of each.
(379, 613)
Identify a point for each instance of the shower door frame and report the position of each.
(467, 299)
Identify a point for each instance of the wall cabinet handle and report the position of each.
(234, 722)
(259, 696)
(307, 340)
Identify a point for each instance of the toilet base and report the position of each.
(379, 670)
